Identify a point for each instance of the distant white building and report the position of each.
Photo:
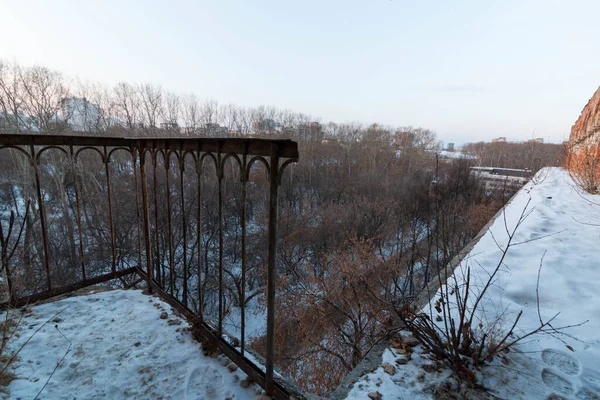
(456, 155)
(80, 114)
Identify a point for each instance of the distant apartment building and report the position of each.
(208, 130)
(211, 130)
(80, 114)
(332, 139)
(265, 125)
(170, 126)
(288, 132)
(503, 139)
(310, 131)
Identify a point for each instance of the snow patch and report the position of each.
(120, 348)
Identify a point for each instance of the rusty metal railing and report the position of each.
(98, 213)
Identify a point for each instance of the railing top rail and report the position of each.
(250, 146)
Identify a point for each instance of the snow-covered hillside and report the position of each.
(119, 347)
(562, 232)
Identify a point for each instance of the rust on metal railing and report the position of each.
(144, 152)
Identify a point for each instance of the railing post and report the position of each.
(137, 205)
(38, 186)
(110, 215)
(199, 234)
(169, 227)
(146, 217)
(182, 190)
(159, 266)
(272, 260)
(78, 211)
(243, 283)
(220, 214)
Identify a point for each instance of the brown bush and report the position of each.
(583, 162)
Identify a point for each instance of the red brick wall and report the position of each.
(583, 157)
(588, 122)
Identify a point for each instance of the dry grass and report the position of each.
(7, 327)
(5, 379)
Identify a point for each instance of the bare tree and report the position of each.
(127, 106)
(11, 99)
(210, 117)
(191, 115)
(172, 113)
(44, 92)
(151, 106)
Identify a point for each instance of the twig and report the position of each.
(538, 238)
(57, 364)
(537, 288)
(585, 223)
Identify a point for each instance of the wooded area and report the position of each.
(367, 217)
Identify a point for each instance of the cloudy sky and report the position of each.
(470, 70)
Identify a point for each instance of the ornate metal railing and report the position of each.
(93, 209)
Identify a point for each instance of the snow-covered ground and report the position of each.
(456, 155)
(563, 229)
(118, 347)
(256, 321)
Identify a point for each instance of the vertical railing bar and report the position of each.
(271, 272)
(169, 227)
(243, 283)
(199, 234)
(78, 212)
(46, 258)
(220, 205)
(110, 215)
(159, 266)
(137, 205)
(144, 184)
(185, 271)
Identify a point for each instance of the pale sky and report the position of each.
(469, 70)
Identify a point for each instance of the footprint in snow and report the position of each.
(556, 382)
(564, 362)
(592, 379)
(587, 394)
(568, 365)
(205, 383)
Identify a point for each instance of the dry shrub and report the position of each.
(329, 318)
(454, 329)
(7, 328)
(583, 163)
(479, 215)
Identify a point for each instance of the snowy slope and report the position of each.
(566, 224)
(120, 348)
